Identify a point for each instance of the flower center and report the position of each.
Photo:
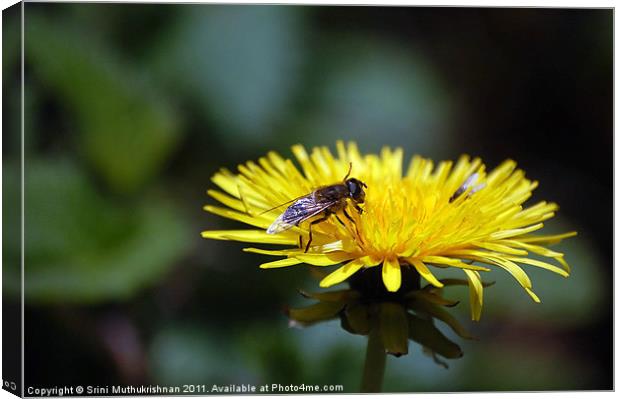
(390, 219)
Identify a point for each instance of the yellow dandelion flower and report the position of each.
(454, 215)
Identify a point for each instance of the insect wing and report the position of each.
(467, 184)
(302, 209)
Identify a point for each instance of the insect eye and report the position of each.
(354, 188)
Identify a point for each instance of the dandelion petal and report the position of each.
(280, 263)
(475, 293)
(342, 273)
(391, 274)
(424, 272)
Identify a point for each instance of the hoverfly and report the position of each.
(467, 184)
(324, 201)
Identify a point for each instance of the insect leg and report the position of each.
(358, 209)
(348, 216)
(340, 221)
(301, 245)
(324, 218)
(357, 233)
(353, 222)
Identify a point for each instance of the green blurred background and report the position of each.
(129, 110)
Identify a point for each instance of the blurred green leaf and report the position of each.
(356, 319)
(315, 313)
(126, 129)
(426, 334)
(394, 328)
(432, 295)
(240, 62)
(332, 296)
(80, 248)
(437, 312)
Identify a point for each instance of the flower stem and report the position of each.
(374, 367)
